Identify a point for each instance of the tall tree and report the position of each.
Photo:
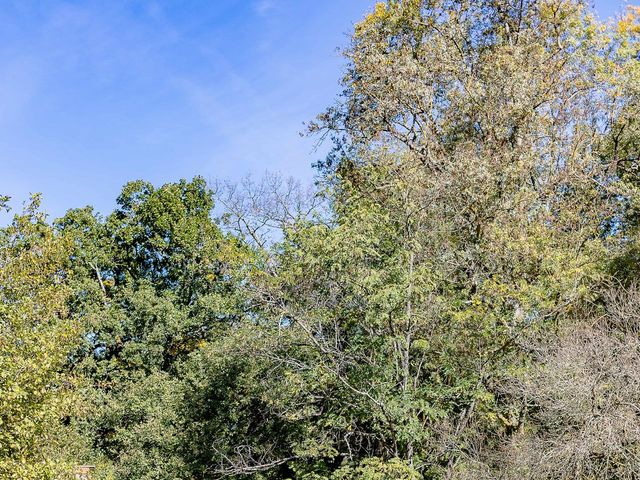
(36, 334)
(154, 283)
(471, 210)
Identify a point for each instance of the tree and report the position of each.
(36, 334)
(582, 396)
(471, 212)
(154, 282)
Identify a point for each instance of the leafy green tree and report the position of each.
(470, 217)
(154, 282)
(36, 333)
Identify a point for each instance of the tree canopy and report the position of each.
(457, 298)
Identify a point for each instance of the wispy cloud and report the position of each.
(96, 93)
(20, 79)
(263, 7)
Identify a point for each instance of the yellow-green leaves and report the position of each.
(36, 334)
(629, 24)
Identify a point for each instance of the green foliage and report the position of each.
(153, 282)
(35, 335)
(482, 195)
(377, 469)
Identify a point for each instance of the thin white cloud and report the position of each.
(20, 78)
(263, 7)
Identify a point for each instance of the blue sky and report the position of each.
(96, 93)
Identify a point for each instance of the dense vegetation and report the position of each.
(458, 298)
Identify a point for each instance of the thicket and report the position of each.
(457, 298)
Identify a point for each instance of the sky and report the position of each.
(97, 93)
